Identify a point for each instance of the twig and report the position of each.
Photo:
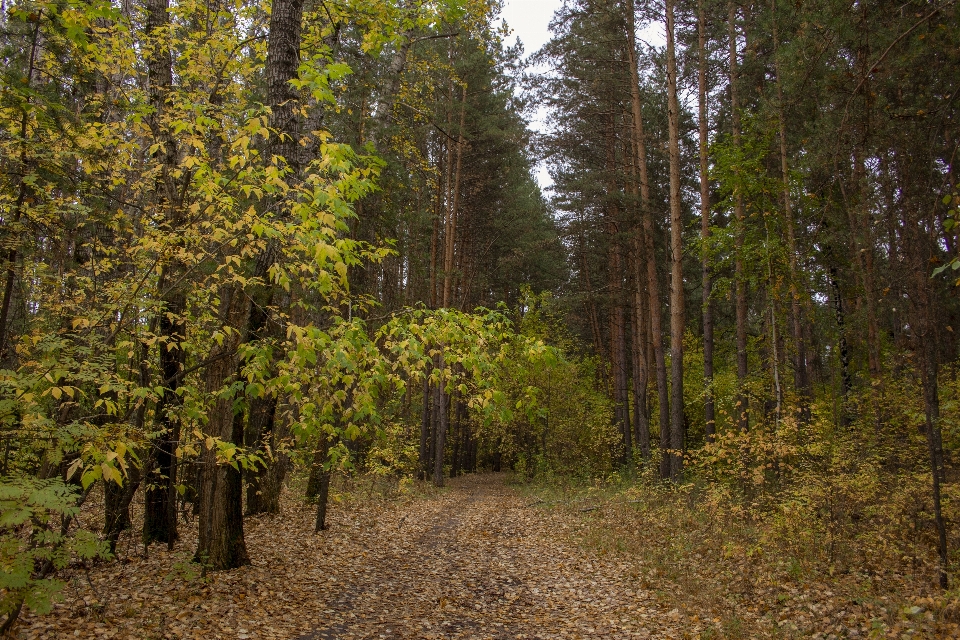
(101, 605)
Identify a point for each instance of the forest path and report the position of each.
(477, 562)
(471, 561)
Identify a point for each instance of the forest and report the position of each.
(280, 287)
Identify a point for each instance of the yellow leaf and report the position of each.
(111, 473)
(72, 469)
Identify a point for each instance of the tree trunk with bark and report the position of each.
(653, 282)
(281, 67)
(160, 495)
(23, 187)
(801, 380)
(453, 203)
(116, 512)
(443, 417)
(261, 421)
(618, 346)
(677, 425)
(318, 485)
(221, 543)
(425, 433)
(641, 373)
(709, 411)
(741, 408)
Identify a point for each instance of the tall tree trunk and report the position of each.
(160, 496)
(453, 203)
(709, 411)
(434, 239)
(443, 417)
(394, 77)
(653, 282)
(641, 373)
(220, 542)
(639, 315)
(160, 514)
(843, 351)
(425, 429)
(117, 499)
(447, 202)
(618, 348)
(456, 434)
(319, 485)
(281, 67)
(462, 416)
(928, 364)
(272, 478)
(861, 241)
(591, 299)
(801, 380)
(931, 404)
(260, 425)
(677, 426)
(863, 228)
(22, 188)
(741, 408)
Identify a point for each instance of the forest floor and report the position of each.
(471, 561)
(475, 560)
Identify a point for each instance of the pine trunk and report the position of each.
(742, 404)
(677, 426)
(453, 203)
(801, 380)
(641, 373)
(618, 347)
(709, 411)
(653, 283)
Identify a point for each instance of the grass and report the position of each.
(708, 556)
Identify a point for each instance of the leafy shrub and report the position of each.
(35, 542)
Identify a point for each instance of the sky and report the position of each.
(529, 20)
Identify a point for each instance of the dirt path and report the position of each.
(479, 563)
(473, 561)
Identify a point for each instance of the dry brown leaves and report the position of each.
(726, 587)
(472, 562)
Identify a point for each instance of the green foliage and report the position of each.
(393, 451)
(950, 221)
(555, 418)
(33, 543)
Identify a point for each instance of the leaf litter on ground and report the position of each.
(479, 559)
(471, 561)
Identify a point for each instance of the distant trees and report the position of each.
(202, 206)
(826, 145)
(234, 240)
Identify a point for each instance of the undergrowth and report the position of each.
(777, 568)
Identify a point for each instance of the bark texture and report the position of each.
(677, 426)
